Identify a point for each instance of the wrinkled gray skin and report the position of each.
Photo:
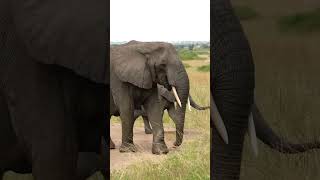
(232, 89)
(167, 103)
(136, 69)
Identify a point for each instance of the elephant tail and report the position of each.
(196, 106)
(269, 137)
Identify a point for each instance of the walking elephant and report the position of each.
(51, 53)
(167, 102)
(136, 69)
(233, 111)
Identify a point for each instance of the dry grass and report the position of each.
(287, 90)
(192, 161)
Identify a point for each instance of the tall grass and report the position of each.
(287, 93)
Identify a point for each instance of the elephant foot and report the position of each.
(148, 131)
(127, 147)
(159, 148)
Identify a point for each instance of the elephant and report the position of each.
(136, 69)
(51, 53)
(88, 110)
(233, 108)
(167, 102)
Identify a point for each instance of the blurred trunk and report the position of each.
(232, 85)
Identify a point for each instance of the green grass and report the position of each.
(192, 160)
(190, 163)
(286, 90)
(204, 68)
(245, 12)
(186, 55)
(301, 22)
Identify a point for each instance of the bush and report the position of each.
(301, 22)
(188, 54)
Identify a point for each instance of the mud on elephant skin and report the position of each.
(233, 110)
(136, 69)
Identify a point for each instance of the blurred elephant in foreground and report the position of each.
(52, 52)
(136, 69)
(87, 109)
(233, 111)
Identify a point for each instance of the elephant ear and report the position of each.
(165, 93)
(134, 63)
(68, 33)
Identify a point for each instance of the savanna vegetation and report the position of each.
(192, 160)
(287, 89)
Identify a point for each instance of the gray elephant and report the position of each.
(136, 69)
(51, 55)
(233, 111)
(167, 102)
(89, 113)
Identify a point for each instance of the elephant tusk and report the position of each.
(176, 95)
(218, 122)
(189, 106)
(252, 134)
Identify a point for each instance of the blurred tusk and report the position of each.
(176, 95)
(218, 122)
(189, 106)
(252, 134)
(175, 105)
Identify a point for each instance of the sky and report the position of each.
(159, 20)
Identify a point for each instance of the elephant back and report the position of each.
(71, 34)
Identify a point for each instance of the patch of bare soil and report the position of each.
(143, 143)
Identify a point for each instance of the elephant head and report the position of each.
(146, 64)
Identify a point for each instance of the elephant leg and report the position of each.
(153, 109)
(89, 163)
(172, 113)
(147, 128)
(127, 120)
(36, 105)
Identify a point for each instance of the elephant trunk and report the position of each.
(196, 106)
(232, 77)
(267, 136)
(182, 87)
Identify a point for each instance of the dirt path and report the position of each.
(144, 143)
